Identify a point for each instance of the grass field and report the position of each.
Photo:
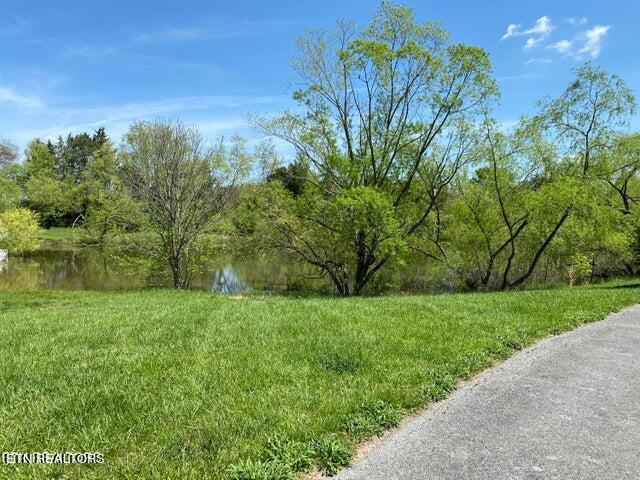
(60, 237)
(185, 384)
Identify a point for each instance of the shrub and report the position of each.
(578, 269)
(19, 230)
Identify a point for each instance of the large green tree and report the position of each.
(383, 126)
(539, 190)
(60, 178)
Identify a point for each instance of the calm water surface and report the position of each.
(90, 268)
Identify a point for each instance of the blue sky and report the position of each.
(77, 65)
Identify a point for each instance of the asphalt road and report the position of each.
(566, 408)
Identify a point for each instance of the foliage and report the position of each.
(384, 128)
(528, 199)
(10, 192)
(181, 186)
(18, 230)
(578, 269)
(585, 117)
(8, 154)
(63, 179)
(330, 454)
(57, 203)
(293, 177)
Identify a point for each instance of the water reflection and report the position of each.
(4, 260)
(90, 269)
(226, 280)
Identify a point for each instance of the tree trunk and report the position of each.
(175, 272)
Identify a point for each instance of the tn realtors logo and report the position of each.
(52, 457)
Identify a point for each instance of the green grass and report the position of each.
(60, 237)
(177, 385)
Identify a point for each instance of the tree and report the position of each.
(75, 154)
(384, 128)
(8, 154)
(62, 177)
(40, 160)
(507, 214)
(267, 158)
(109, 205)
(10, 192)
(619, 167)
(18, 230)
(541, 180)
(578, 269)
(293, 177)
(585, 117)
(181, 185)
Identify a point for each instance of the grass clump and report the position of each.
(331, 454)
(339, 363)
(298, 456)
(371, 419)
(260, 470)
(438, 386)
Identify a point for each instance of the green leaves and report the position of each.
(18, 230)
(383, 126)
(589, 112)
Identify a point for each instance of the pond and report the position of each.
(90, 268)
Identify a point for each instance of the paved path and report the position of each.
(566, 408)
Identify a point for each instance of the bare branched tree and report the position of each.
(182, 184)
(8, 154)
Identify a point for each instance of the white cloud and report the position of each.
(524, 76)
(562, 46)
(593, 40)
(533, 41)
(189, 34)
(542, 27)
(9, 95)
(541, 61)
(537, 33)
(576, 21)
(214, 31)
(512, 30)
(89, 51)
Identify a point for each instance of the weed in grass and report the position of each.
(260, 470)
(507, 342)
(439, 385)
(297, 455)
(340, 363)
(371, 419)
(330, 454)
(473, 362)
